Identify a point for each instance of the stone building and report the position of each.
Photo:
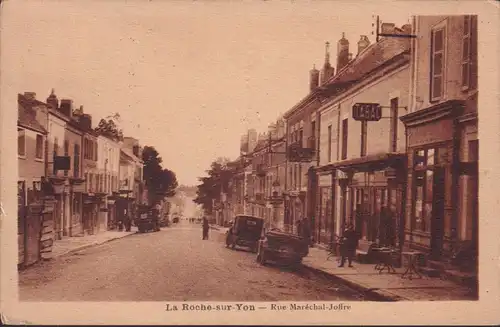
(359, 161)
(442, 195)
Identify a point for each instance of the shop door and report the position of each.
(437, 222)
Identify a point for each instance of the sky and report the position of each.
(188, 78)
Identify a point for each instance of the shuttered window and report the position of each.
(437, 63)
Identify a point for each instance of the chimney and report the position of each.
(52, 100)
(66, 107)
(30, 96)
(363, 43)
(406, 28)
(86, 121)
(313, 79)
(387, 28)
(328, 71)
(342, 53)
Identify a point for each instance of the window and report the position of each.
(95, 151)
(469, 52)
(437, 63)
(364, 132)
(300, 176)
(301, 137)
(66, 153)
(76, 161)
(424, 164)
(344, 138)
(394, 125)
(39, 147)
(21, 142)
(56, 146)
(330, 143)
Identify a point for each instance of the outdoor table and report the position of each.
(411, 269)
(384, 258)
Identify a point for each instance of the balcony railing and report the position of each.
(297, 152)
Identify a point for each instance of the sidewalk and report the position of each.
(72, 244)
(390, 287)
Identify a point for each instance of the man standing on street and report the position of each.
(206, 227)
(348, 245)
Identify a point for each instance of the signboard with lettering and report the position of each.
(62, 163)
(367, 111)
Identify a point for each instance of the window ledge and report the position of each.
(21, 157)
(39, 159)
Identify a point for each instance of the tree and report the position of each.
(160, 182)
(217, 181)
(109, 129)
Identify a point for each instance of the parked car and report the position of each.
(282, 248)
(146, 220)
(246, 231)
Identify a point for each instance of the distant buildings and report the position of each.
(69, 175)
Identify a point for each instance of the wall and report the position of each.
(393, 84)
(453, 59)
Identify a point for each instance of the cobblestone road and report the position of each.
(172, 265)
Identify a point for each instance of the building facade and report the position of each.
(108, 167)
(31, 154)
(442, 196)
(361, 162)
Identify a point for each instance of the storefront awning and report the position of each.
(367, 163)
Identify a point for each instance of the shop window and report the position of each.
(424, 188)
(437, 63)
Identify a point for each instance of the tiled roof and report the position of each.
(371, 58)
(26, 115)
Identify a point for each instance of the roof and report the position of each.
(371, 58)
(27, 115)
(130, 154)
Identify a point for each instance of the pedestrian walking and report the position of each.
(348, 245)
(206, 227)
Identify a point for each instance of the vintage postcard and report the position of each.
(249, 163)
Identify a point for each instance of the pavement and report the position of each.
(384, 286)
(71, 244)
(174, 264)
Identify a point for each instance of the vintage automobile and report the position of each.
(281, 247)
(146, 220)
(246, 231)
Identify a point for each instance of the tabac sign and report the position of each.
(367, 111)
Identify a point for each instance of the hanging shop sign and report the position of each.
(367, 111)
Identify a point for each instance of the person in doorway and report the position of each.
(348, 246)
(206, 227)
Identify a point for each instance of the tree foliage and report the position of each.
(160, 182)
(109, 129)
(211, 186)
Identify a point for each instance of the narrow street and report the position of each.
(172, 265)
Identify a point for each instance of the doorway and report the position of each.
(437, 223)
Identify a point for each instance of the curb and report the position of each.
(83, 247)
(373, 293)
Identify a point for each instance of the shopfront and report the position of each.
(433, 178)
(369, 193)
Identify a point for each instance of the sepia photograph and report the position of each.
(215, 157)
